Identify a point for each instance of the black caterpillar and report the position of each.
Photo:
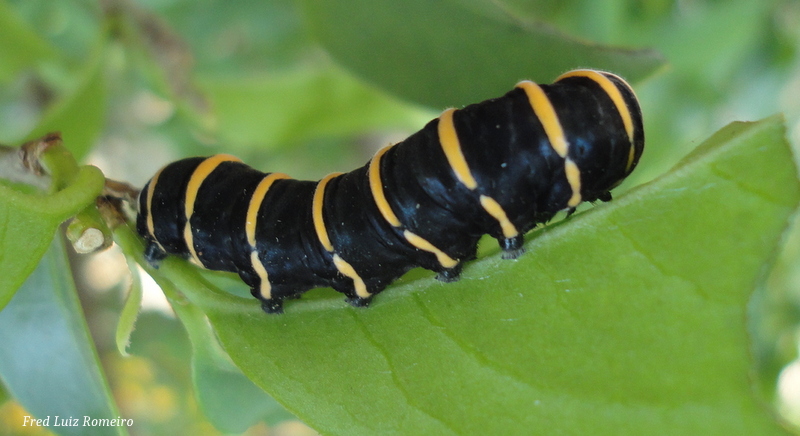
(498, 167)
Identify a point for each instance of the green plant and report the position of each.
(629, 318)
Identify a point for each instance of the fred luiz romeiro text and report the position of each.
(85, 421)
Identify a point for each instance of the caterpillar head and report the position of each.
(607, 136)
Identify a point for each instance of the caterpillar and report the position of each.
(498, 167)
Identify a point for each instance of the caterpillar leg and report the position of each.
(451, 274)
(153, 254)
(348, 288)
(268, 305)
(266, 295)
(512, 247)
(272, 305)
(570, 211)
(359, 301)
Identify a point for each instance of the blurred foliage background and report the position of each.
(133, 84)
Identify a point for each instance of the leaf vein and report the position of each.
(393, 373)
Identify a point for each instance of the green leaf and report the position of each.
(47, 360)
(130, 311)
(80, 115)
(3, 394)
(627, 319)
(451, 52)
(22, 46)
(715, 53)
(304, 104)
(28, 222)
(230, 401)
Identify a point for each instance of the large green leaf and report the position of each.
(452, 52)
(80, 115)
(47, 360)
(303, 104)
(22, 46)
(28, 222)
(229, 400)
(627, 319)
